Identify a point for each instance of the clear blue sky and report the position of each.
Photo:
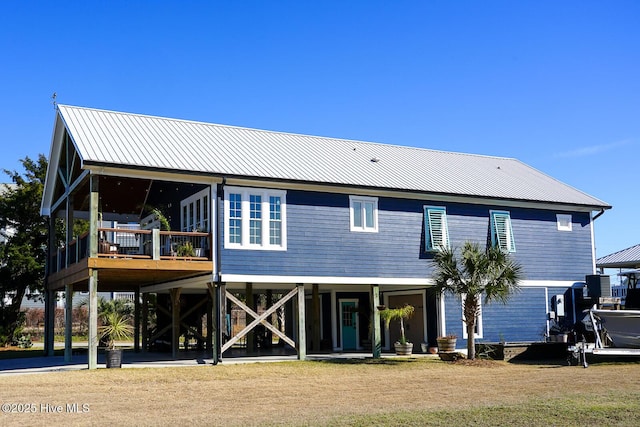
(555, 84)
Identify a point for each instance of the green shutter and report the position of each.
(501, 231)
(436, 230)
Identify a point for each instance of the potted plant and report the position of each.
(115, 327)
(447, 343)
(402, 346)
(186, 250)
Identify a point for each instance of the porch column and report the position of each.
(69, 228)
(49, 321)
(145, 322)
(175, 321)
(376, 338)
(315, 322)
(224, 327)
(251, 304)
(302, 340)
(68, 322)
(214, 321)
(210, 315)
(94, 202)
(136, 321)
(93, 319)
(94, 217)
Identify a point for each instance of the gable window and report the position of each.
(364, 213)
(477, 329)
(564, 222)
(436, 228)
(501, 231)
(254, 218)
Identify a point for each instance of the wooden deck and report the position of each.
(124, 273)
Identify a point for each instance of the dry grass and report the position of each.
(387, 392)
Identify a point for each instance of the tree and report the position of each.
(399, 313)
(24, 241)
(491, 273)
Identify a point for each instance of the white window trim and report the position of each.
(429, 247)
(245, 192)
(478, 325)
(564, 222)
(196, 199)
(364, 228)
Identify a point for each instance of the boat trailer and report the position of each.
(601, 345)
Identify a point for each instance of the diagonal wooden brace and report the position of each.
(260, 319)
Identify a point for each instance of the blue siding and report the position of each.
(522, 318)
(321, 244)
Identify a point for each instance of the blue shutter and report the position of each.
(501, 231)
(436, 229)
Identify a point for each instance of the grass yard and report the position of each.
(392, 392)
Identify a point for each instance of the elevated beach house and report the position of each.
(308, 236)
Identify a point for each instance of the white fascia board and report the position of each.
(327, 280)
(155, 175)
(52, 169)
(399, 281)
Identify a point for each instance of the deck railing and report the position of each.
(129, 243)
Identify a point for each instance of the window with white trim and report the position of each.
(564, 222)
(477, 329)
(255, 218)
(435, 228)
(364, 213)
(194, 212)
(501, 231)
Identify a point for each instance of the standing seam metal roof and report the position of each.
(133, 140)
(630, 256)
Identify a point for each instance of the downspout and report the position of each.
(218, 242)
(593, 241)
(217, 353)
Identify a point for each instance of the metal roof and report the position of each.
(132, 140)
(626, 258)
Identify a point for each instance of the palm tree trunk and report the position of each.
(470, 313)
(471, 344)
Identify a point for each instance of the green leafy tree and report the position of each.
(24, 241)
(491, 273)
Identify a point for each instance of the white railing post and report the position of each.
(155, 243)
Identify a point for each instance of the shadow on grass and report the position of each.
(26, 353)
(368, 361)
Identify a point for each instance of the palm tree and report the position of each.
(490, 273)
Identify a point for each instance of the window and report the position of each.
(478, 326)
(275, 220)
(501, 232)
(564, 222)
(255, 223)
(194, 212)
(435, 228)
(235, 218)
(254, 218)
(364, 213)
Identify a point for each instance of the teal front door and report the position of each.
(349, 325)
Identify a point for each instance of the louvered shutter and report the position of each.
(502, 233)
(436, 228)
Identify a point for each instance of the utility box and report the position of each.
(598, 285)
(557, 304)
